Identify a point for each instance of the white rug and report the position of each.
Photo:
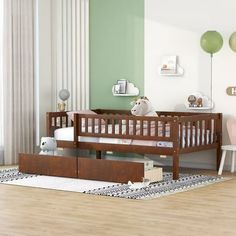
(13, 177)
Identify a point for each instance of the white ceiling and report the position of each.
(196, 15)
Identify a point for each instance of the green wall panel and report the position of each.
(116, 49)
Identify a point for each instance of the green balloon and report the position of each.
(211, 42)
(232, 41)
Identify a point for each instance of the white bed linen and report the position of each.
(67, 134)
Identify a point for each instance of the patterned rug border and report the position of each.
(15, 176)
(222, 179)
(123, 190)
(213, 180)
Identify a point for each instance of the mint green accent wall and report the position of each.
(116, 49)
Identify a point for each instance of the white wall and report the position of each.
(167, 92)
(166, 34)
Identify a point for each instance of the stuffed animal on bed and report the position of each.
(143, 107)
(48, 146)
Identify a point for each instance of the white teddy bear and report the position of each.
(143, 107)
(48, 146)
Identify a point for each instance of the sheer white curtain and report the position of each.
(18, 78)
(70, 52)
(1, 83)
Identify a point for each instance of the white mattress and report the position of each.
(67, 134)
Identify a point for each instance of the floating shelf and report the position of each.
(125, 94)
(131, 91)
(206, 102)
(199, 108)
(179, 72)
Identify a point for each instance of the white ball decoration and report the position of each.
(64, 94)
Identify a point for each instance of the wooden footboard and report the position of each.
(188, 133)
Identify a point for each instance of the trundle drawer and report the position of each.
(87, 168)
(48, 165)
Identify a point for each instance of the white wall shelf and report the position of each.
(179, 72)
(199, 108)
(125, 95)
(206, 102)
(131, 90)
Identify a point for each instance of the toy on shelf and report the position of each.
(198, 101)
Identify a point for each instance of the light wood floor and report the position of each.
(204, 211)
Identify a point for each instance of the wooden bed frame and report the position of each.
(199, 126)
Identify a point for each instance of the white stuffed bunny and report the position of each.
(48, 146)
(143, 107)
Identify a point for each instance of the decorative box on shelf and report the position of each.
(124, 88)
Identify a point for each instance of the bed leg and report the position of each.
(175, 167)
(218, 157)
(98, 154)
